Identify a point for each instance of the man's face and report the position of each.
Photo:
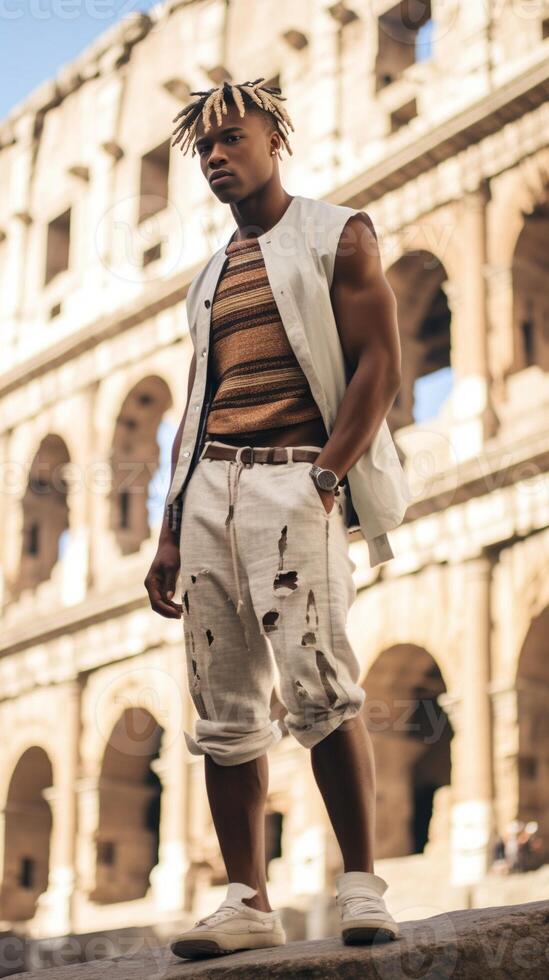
(241, 145)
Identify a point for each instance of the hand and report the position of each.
(326, 496)
(161, 579)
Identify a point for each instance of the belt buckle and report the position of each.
(243, 460)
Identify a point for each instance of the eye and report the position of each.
(231, 136)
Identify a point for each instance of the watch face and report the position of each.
(327, 480)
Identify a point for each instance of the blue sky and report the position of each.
(37, 37)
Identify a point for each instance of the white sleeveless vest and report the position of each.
(299, 254)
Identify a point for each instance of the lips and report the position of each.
(219, 174)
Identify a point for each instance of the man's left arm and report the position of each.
(365, 311)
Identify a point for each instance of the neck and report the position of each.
(258, 212)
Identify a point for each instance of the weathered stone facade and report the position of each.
(105, 822)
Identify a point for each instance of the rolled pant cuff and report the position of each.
(232, 748)
(310, 737)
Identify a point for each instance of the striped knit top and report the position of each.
(258, 382)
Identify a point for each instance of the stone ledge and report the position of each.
(500, 942)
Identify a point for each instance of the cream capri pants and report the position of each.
(266, 584)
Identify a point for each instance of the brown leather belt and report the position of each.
(267, 454)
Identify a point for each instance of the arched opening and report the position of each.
(533, 719)
(418, 282)
(140, 461)
(129, 809)
(530, 271)
(411, 736)
(28, 823)
(45, 514)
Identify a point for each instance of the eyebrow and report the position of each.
(227, 129)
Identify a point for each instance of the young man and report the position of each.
(282, 449)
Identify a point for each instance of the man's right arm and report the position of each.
(162, 575)
(165, 533)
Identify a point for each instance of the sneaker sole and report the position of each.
(368, 934)
(198, 948)
(195, 948)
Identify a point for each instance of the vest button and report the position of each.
(204, 353)
(187, 453)
(206, 303)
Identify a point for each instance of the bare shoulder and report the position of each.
(358, 230)
(357, 251)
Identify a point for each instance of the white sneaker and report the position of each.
(364, 916)
(234, 925)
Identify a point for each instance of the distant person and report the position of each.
(512, 844)
(530, 847)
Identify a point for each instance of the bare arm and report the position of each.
(365, 310)
(162, 575)
(165, 533)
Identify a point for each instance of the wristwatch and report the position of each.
(322, 478)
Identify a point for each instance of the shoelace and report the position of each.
(357, 903)
(223, 912)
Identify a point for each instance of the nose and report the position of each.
(217, 154)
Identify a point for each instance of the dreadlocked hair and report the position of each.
(267, 98)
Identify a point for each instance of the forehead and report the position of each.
(250, 120)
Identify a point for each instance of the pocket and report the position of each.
(316, 496)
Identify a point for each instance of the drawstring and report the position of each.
(232, 493)
(229, 520)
